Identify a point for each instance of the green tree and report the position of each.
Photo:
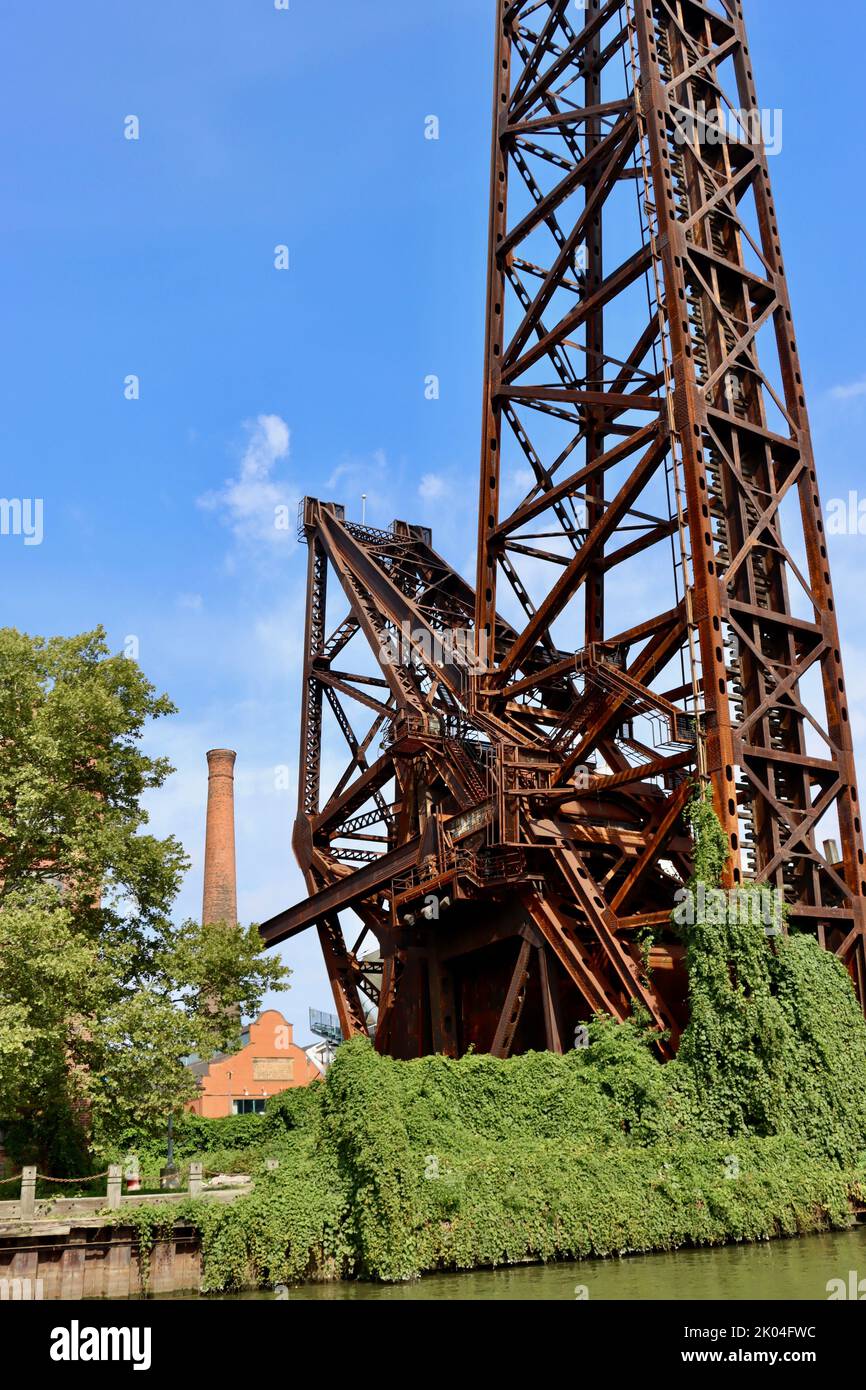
(102, 995)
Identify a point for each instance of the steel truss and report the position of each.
(509, 823)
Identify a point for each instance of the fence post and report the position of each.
(195, 1178)
(27, 1202)
(114, 1186)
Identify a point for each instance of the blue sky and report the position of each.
(155, 257)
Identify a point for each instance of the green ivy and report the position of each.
(710, 852)
(231, 1145)
(389, 1169)
(149, 1224)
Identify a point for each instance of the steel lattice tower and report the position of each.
(653, 598)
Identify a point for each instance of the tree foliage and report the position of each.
(101, 994)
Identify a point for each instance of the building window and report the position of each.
(248, 1106)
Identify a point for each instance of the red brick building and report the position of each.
(268, 1062)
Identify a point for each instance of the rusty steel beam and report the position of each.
(363, 883)
(503, 1038)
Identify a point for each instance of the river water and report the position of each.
(782, 1270)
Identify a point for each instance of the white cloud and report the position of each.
(849, 392)
(193, 602)
(371, 476)
(432, 486)
(258, 507)
(367, 471)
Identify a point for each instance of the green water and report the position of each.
(782, 1270)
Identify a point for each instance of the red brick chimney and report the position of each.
(220, 899)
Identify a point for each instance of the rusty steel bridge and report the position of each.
(653, 601)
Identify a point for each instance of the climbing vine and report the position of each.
(150, 1225)
(710, 853)
(756, 1129)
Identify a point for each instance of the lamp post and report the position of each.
(169, 1177)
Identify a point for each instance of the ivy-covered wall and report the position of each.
(389, 1169)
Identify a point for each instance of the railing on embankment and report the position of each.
(65, 1248)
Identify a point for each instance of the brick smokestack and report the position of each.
(220, 899)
